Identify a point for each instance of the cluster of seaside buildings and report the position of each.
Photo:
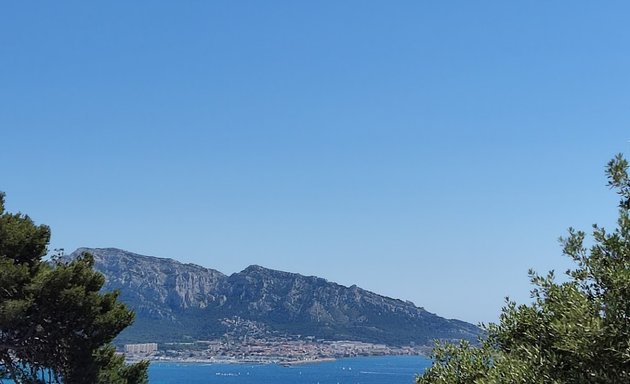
(264, 351)
(146, 348)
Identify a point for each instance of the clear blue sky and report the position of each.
(429, 151)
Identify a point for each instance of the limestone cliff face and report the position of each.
(172, 300)
(157, 287)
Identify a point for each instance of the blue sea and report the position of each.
(365, 370)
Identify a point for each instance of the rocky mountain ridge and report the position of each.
(173, 301)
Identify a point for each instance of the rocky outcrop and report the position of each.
(174, 300)
(157, 287)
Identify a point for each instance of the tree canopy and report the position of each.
(574, 331)
(55, 324)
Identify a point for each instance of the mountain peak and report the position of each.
(255, 268)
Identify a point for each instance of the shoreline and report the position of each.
(238, 362)
(279, 361)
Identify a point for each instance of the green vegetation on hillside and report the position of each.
(55, 325)
(577, 331)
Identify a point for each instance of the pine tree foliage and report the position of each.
(55, 324)
(575, 331)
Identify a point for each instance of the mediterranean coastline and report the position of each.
(364, 370)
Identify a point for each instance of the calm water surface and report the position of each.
(367, 370)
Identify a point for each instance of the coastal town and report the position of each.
(277, 350)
